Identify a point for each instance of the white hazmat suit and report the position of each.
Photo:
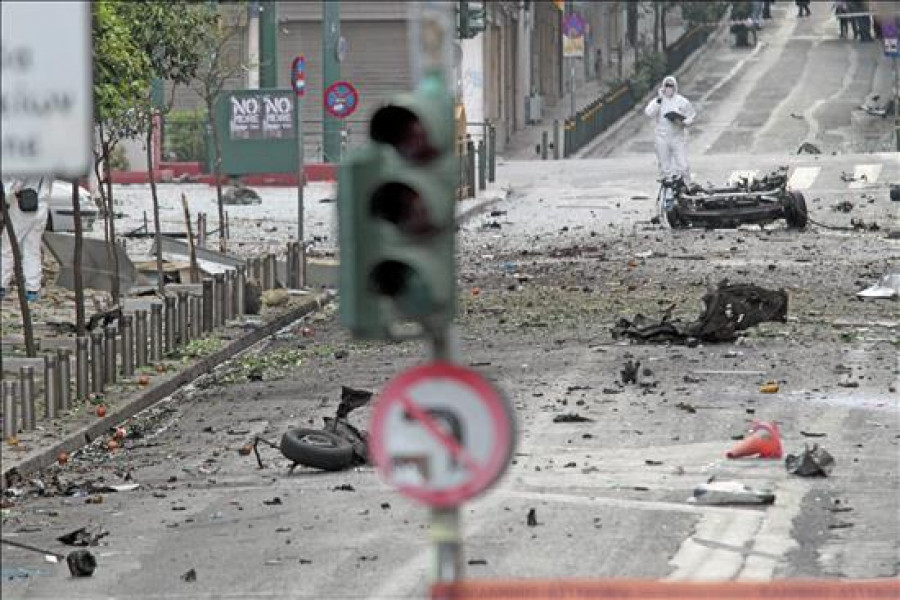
(671, 134)
(29, 228)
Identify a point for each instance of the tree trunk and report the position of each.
(76, 263)
(662, 31)
(195, 270)
(217, 172)
(27, 329)
(160, 284)
(656, 19)
(111, 222)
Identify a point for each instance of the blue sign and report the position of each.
(298, 75)
(341, 99)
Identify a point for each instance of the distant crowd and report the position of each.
(853, 16)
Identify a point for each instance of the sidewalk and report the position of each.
(523, 143)
(30, 451)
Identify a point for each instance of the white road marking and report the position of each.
(803, 177)
(865, 175)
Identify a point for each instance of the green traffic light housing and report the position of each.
(397, 219)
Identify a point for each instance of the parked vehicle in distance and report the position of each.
(61, 216)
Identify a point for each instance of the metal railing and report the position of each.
(477, 160)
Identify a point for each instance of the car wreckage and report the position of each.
(746, 201)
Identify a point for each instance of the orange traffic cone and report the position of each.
(764, 441)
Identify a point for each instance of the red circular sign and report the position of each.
(341, 99)
(441, 434)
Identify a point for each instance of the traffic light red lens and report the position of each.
(401, 205)
(402, 129)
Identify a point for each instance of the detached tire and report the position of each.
(795, 212)
(318, 449)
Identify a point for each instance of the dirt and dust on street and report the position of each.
(620, 467)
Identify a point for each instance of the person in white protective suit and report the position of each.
(29, 225)
(672, 114)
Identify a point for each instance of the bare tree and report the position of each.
(27, 328)
(222, 64)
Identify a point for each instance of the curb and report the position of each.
(86, 434)
(629, 117)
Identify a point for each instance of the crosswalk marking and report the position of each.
(803, 177)
(744, 174)
(865, 175)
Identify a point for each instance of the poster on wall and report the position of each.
(574, 29)
(262, 116)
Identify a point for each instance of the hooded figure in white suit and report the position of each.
(672, 113)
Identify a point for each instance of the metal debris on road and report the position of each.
(531, 519)
(887, 287)
(730, 492)
(727, 310)
(190, 576)
(630, 371)
(571, 418)
(83, 537)
(812, 462)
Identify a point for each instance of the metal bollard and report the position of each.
(470, 166)
(171, 319)
(98, 378)
(110, 352)
(196, 316)
(155, 332)
(219, 299)
(240, 283)
(258, 270)
(544, 145)
(555, 139)
(50, 391)
(82, 369)
(127, 346)
(26, 398)
(207, 305)
(10, 426)
(492, 153)
(64, 379)
(266, 274)
(228, 300)
(182, 318)
(140, 338)
(482, 166)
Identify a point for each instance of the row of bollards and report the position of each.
(134, 342)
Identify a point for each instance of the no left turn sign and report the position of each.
(441, 434)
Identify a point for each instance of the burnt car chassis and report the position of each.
(748, 201)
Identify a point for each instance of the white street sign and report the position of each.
(46, 88)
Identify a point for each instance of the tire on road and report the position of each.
(317, 448)
(795, 212)
(674, 219)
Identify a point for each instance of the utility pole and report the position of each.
(268, 44)
(572, 61)
(253, 45)
(331, 72)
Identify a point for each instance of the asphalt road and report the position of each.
(543, 280)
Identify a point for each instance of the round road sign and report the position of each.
(341, 99)
(441, 434)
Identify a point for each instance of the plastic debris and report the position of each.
(812, 462)
(730, 492)
(888, 287)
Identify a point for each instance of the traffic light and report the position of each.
(471, 19)
(396, 205)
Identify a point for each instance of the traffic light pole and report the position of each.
(301, 237)
(331, 72)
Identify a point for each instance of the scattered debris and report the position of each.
(83, 537)
(240, 195)
(812, 462)
(571, 418)
(190, 576)
(344, 487)
(887, 287)
(276, 501)
(686, 407)
(770, 387)
(812, 434)
(630, 372)
(808, 148)
(730, 492)
(727, 310)
(840, 525)
(81, 563)
(531, 520)
(477, 562)
(844, 207)
(860, 225)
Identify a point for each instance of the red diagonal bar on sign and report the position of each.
(445, 439)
